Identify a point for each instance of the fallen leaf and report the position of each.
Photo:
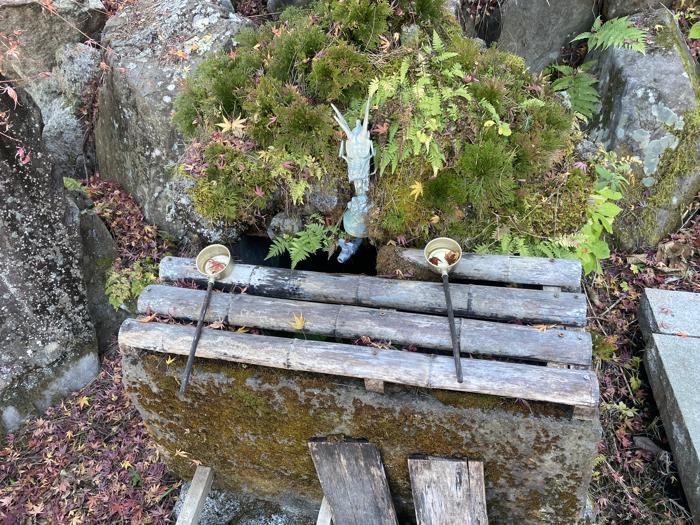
(146, 318)
(83, 402)
(543, 327)
(297, 322)
(235, 126)
(416, 190)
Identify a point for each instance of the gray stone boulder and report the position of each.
(98, 255)
(57, 68)
(616, 8)
(137, 143)
(650, 110)
(536, 30)
(48, 341)
(43, 33)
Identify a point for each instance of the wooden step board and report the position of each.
(469, 300)
(354, 484)
(448, 491)
(506, 334)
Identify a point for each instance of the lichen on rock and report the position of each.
(48, 341)
(649, 110)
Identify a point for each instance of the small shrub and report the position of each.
(362, 21)
(123, 285)
(340, 74)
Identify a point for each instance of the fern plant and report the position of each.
(315, 236)
(617, 32)
(579, 84)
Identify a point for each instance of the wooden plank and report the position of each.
(537, 271)
(196, 496)
(448, 491)
(324, 514)
(484, 302)
(354, 483)
(520, 381)
(351, 322)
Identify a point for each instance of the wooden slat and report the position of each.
(535, 383)
(196, 496)
(351, 322)
(448, 491)
(537, 271)
(484, 302)
(353, 481)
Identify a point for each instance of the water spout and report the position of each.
(348, 248)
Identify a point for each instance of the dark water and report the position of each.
(252, 249)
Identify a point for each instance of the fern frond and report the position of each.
(580, 86)
(616, 33)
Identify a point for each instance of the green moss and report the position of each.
(487, 168)
(675, 164)
(362, 21)
(340, 74)
(252, 425)
(283, 76)
(235, 187)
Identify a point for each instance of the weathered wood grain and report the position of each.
(483, 302)
(537, 271)
(350, 322)
(448, 491)
(196, 496)
(536, 383)
(324, 514)
(353, 481)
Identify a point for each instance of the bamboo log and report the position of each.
(536, 271)
(483, 302)
(351, 322)
(520, 381)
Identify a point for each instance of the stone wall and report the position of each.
(252, 425)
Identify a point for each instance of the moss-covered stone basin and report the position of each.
(252, 425)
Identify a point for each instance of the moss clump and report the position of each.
(340, 73)
(252, 425)
(467, 140)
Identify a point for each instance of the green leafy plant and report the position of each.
(579, 84)
(315, 236)
(694, 32)
(72, 184)
(601, 212)
(123, 285)
(617, 32)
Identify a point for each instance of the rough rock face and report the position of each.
(64, 98)
(154, 45)
(99, 252)
(47, 340)
(615, 8)
(534, 29)
(223, 508)
(650, 110)
(56, 68)
(43, 33)
(252, 424)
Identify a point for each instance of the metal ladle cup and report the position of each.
(435, 252)
(220, 254)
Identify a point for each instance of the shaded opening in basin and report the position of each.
(252, 249)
